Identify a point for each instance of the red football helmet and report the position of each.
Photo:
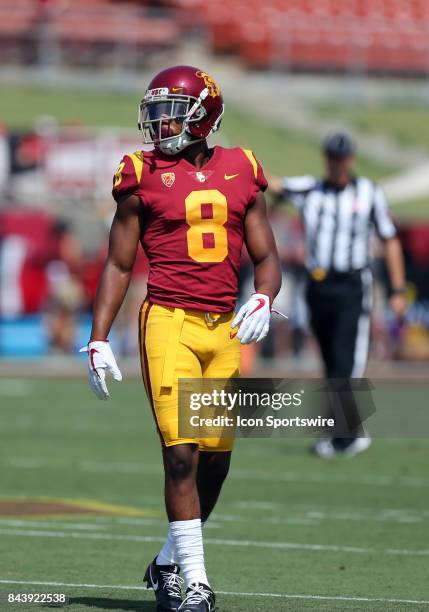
(187, 95)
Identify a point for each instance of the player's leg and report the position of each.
(215, 453)
(350, 351)
(181, 494)
(348, 311)
(322, 307)
(220, 358)
(165, 358)
(184, 549)
(184, 467)
(322, 299)
(187, 534)
(184, 510)
(213, 469)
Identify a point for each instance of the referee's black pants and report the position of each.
(340, 309)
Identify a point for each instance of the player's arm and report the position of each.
(254, 316)
(396, 269)
(116, 276)
(275, 185)
(262, 249)
(291, 190)
(386, 231)
(113, 285)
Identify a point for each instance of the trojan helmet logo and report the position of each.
(210, 83)
(168, 178)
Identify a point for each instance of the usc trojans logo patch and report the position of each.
(210, 83)
(168, 178)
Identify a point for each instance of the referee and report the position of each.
(340, 213)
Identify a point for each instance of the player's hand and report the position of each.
(275, 184)
(253, 319)
(398, 304)
(100, 359)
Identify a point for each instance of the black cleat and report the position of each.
(167, 584)
(199, 598)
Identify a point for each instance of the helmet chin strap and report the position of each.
(175, 145)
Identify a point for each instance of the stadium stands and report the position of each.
(389, 36)
(117, 24)
(373, 35)
(83, 27)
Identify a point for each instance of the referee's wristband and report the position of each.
(398, 291)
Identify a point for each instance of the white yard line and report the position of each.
(306, 517)
(9, 522)
(254, 504)
(313, 520)
(124, 587)
(25, 463)
(97, 525)
(404, 551)
(235, 474)
(33, 533)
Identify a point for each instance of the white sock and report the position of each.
(167, 556)
(188, 543)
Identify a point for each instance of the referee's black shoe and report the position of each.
(199, 598)
(167, 585)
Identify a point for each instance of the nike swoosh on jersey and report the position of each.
(233, 334)
(228, 177)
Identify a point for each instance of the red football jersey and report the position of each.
(193, 223)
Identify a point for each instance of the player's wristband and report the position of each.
(398, 291)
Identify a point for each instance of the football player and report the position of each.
(191, 207)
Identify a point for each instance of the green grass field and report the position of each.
(301, 533)
(280, 150)
(290, 533)
(407, 124)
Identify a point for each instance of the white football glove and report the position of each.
(253, 319)
(100, 359)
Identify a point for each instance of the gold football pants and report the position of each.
(177, 343)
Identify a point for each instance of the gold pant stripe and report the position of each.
(173, 345)
(143, 319)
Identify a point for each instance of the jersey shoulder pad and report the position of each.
(257, 173)
(128, 176)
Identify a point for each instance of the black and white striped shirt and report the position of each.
(339, 223)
